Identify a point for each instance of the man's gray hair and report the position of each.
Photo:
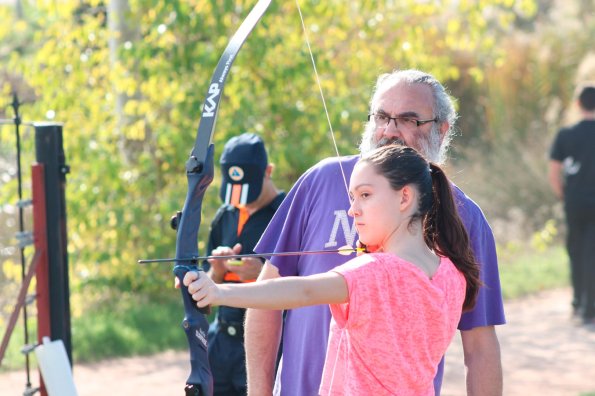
(443, 108)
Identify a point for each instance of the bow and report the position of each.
(199, 172)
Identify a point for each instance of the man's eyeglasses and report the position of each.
(383, 120)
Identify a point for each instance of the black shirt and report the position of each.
(575, 148)
(224, 232)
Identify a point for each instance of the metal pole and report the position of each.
(17, 123)
(49, 151)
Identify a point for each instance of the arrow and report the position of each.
(344, 251)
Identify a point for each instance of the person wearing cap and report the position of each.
(250, 199)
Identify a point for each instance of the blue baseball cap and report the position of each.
(243, 164)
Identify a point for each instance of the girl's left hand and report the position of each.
(203, 290)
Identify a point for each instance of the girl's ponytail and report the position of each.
(445, 233)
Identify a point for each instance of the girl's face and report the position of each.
(374, 205)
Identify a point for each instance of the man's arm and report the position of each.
(482, 359)
(555, 178)
(246, 269)
(262, 334)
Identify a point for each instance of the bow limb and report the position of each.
(199, 172)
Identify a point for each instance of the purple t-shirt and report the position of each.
(313, 216)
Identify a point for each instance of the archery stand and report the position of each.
(50, 152)
(53, 295)
(49, 265)
(55, 368)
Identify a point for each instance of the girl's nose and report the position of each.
(353, 211)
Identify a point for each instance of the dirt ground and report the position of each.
(544, 352)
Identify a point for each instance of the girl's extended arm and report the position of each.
(280, 293)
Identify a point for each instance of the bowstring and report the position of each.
(328, 118)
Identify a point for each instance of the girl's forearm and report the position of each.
(285, 293)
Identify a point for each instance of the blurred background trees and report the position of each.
(127, 79)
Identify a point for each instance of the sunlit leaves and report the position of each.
(127, 169)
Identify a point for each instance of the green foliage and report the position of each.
(14, 359)
(539, 264)
(544, 238)
(132, 325)
(524, 270)
(129, 88)
(130, 115)
(509, 119)
(130, 111)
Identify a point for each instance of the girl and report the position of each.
(394, 311)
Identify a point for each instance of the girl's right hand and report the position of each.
(366, 248)
(202, 289)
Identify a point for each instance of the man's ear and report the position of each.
(268, 172)
(444, 129)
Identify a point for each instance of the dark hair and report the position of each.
(586, 97)
(443, 229)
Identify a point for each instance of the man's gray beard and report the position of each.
(428, 147)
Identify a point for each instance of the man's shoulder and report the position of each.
(469, 210)
(330, 165)
(332, 162)
(322, 170)
(573, 138)
(223, 211)
(275, 203)
(576, 131)
(461, 198)
(226, 208)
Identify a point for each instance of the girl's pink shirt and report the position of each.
(389, 338)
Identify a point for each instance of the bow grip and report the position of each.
(189, 304)
(196, 327)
